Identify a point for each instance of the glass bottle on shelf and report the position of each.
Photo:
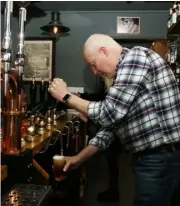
(170, 18)
(174, 14)
(178, 50)
(178, 11)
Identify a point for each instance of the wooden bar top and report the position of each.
(39, 141)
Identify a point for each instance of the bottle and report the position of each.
(170, 17)
(172, 63)
(174, 14)
(178, 11)
(169, 22)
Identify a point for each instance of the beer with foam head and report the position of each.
(59, 163)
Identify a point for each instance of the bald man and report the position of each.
(142, 108)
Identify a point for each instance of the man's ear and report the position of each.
(104, 50)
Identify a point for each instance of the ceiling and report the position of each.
(103, 5)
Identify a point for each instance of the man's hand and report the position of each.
(58, 89)
(71, 163)
(83, 117)
(75, 161)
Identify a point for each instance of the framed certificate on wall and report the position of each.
(39, 58)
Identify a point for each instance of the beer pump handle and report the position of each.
(33, 92)
(7, 44)
(42, 90)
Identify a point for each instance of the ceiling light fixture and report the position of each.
(55, 27)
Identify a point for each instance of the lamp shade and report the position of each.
(55, 26)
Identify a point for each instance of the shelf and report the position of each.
(175, 29)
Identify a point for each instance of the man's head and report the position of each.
(101, 52)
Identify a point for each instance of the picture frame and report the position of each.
(39, 58)
(128, 25)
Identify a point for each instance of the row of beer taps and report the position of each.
(69, 136)
(39, 124)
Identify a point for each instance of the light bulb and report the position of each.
(55, 29)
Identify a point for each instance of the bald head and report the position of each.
(101, 52)
(95, 41)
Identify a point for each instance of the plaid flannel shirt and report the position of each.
(143, 105)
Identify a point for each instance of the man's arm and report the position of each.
(101, 141)
(81, 104)
(131, 78)
(75, 161)
(78, 104)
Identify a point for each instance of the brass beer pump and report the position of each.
(11, 84)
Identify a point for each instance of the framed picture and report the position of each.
(128, 25)
(39, 58)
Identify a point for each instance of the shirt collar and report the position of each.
(121, 57)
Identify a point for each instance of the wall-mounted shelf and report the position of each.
(136, 40)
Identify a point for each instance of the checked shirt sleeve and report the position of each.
(103, 138)
(131, 75)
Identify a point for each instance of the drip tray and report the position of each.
(26, 195)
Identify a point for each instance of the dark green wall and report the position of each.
(69, 60)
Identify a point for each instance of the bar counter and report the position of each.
(26, 168)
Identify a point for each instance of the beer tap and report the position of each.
(32, 129)
(19, 62)
(71, 128)
(7, 44)
(42, 90)
(49, 120)
(65, 133)
(33, 91)
(12, 111)
(54, 117)
(76, 135)
(49, 97)
(32, 119)
(41, 129)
